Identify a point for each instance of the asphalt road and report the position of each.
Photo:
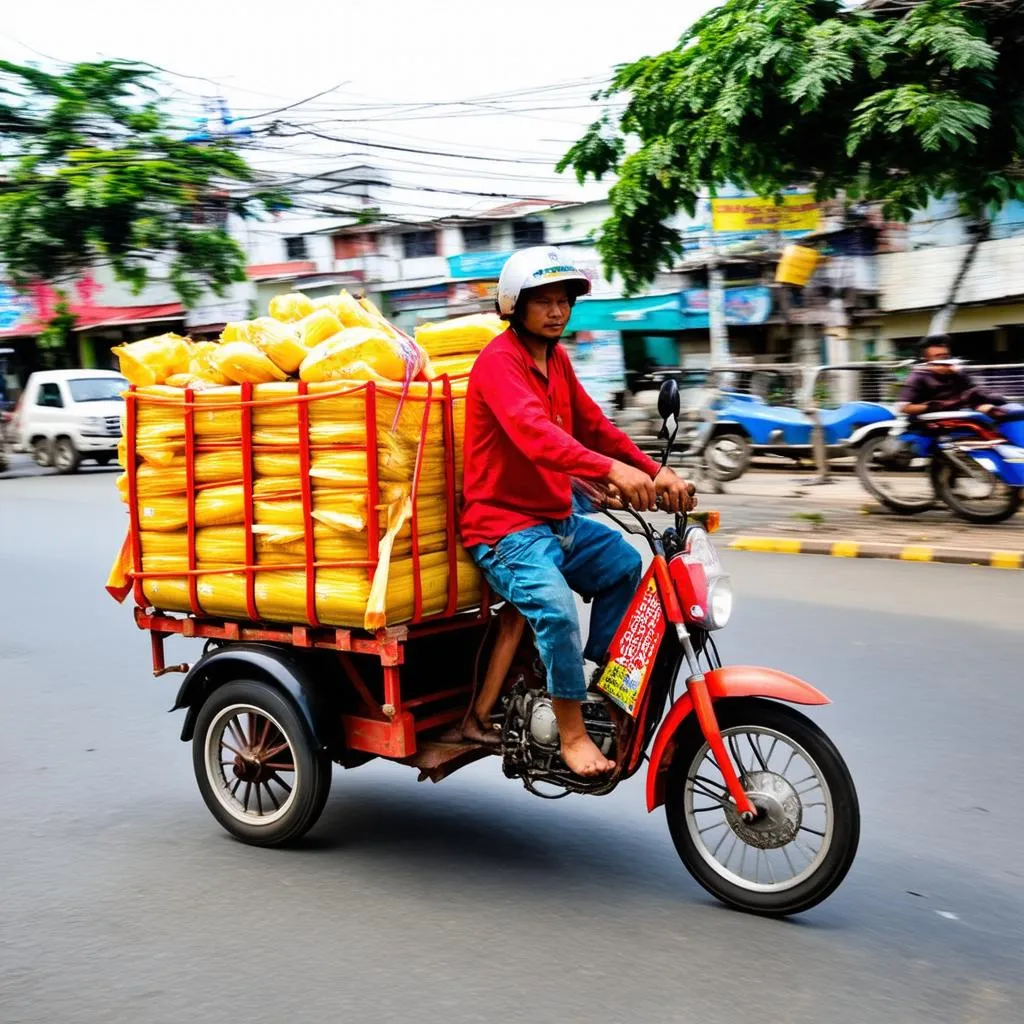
(122, 900)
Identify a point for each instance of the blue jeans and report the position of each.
(537, 570)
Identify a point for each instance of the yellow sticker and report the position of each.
(621, 685)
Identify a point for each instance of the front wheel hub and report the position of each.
(779, 812)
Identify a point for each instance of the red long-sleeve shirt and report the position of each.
(526, 436)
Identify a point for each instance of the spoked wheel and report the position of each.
(257, 767)
(895, 476)
(977, 496)
(801, 845)
(727, 457)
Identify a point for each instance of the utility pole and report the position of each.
(718, 329)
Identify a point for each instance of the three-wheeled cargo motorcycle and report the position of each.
(760, 805)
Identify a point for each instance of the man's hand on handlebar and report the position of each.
(634, 487)
(674, 493)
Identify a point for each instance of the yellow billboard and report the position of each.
(750, 214)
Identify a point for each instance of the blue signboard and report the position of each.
(678, 311)
(649, 313)
(742, 306)
(469, 265)
(16, 309)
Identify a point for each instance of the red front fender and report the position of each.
(731, 681)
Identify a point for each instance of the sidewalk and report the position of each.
(783, 511)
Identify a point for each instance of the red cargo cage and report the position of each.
(384, 711)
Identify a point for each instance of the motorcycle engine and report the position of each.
(531, 741)
(896, 453)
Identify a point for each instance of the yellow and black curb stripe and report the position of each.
(866, 549)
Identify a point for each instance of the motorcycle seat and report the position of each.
(953, 414)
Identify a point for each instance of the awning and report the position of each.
(117, 316)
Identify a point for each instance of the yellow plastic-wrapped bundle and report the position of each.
(277, 341)
(320, 325)
(348, 310)
(202, 365)
(461, 335)
(453, 366)
(153, 360)
(244, 363)
(359, 353)
(290, 308)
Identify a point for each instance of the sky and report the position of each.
(507, 81)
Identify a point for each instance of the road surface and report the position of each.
(122, 900)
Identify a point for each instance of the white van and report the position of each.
(65, 416)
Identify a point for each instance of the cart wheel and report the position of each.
(257, 767)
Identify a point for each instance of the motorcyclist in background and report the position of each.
(939, 385)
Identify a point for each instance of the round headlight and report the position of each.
(719, 602)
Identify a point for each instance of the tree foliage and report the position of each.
(893, 101)
(92, 169)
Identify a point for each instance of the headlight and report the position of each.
(94, 423)
(697, 547)
(719, 602)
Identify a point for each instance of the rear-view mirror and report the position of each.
(668, 400)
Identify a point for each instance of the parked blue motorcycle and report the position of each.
(970, 461)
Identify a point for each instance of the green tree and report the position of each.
(894, 101)
(92, 170)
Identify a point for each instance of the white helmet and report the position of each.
(532, 268)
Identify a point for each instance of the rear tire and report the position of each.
(42, 452)
(259, 770)
(66, 458)
(867, 455)
(840, 821)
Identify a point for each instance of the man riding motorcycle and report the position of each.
(530, 428)
(939, 385)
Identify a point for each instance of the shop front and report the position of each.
(672, 330)
(407, 308)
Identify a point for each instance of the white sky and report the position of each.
(264, 55)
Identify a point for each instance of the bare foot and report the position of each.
(473, 729)
(582, 757)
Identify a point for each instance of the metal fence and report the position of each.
(816, 389)
(832, 385)
(811, 389)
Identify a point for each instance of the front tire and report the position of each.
(898, 485)
(803, 844)
(258, 769)
(727, 457)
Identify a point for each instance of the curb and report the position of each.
(997, 559)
